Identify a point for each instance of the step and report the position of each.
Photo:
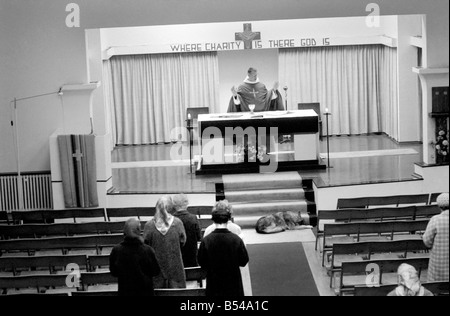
(265, 195)
(282, 180)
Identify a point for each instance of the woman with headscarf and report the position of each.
(409, 283)
(134, 263)
(436, 237)
(166, 234)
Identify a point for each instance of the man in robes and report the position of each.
(252, 91)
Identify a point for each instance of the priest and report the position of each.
(252, 91)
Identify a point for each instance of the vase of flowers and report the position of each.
(442, 150)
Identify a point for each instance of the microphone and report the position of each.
(285, 88)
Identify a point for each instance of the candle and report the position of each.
(326, 110)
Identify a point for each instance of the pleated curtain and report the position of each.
(148, 94)
(358, 84)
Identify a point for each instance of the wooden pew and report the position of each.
(355, 231)
(64, 243)
(365, 250)
(373, 201)
(34, 281)
(180, 292)
(48, 216)
(62, 230)
(437, 288)
(137, 212)
(384, 266)
(50, 262)
(360, 215)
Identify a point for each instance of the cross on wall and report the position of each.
(248, 36)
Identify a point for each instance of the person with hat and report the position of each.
(436, 238)
(221, 254)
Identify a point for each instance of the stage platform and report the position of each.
(354, 160)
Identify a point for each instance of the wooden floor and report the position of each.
(149, 169)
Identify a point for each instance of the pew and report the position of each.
(14, 264)
(48, 216)
(384, 267)
(437, 288)
(365, 250)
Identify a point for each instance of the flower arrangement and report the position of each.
(442, 145)
(253, 154)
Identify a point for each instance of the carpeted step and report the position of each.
(282, 180)
(265, 195)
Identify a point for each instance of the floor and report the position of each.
(353, 160)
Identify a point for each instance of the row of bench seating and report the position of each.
(397, 200)
(88, 263)
(378, 269)
(195, 292)
(49, 216)
(364, 251)
(70, 229)
(437, 288)
(64, 244)
(355, 232)
(41, 282)
(410, 213)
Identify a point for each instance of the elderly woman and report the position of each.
(193, 230)
(409, 283)
(134, 263)
(436, 237)
(165, 233)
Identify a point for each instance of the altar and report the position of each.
(262, 142)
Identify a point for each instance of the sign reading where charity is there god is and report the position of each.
(249, 39)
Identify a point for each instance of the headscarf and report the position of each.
(132, 230)
(163, 218)
(409, 283)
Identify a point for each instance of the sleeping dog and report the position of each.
(280, 222)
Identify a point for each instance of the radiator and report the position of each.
(36, 192)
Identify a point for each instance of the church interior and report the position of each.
(108, 106)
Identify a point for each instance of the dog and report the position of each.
(280, 222)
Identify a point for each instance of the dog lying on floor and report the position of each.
(280, 222)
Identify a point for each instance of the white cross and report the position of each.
(78, 155)
(254, 93)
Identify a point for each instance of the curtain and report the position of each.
(148, 94)
(358, 84)
(78, 170)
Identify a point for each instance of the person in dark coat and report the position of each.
(221, 254)
(192, 228)
(134, 263)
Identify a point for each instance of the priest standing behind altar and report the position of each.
(252, 91)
